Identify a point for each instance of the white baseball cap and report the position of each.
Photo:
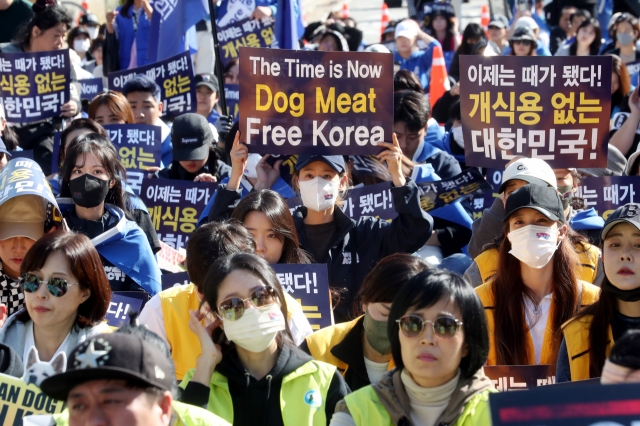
(531, 170)
(407, 28)
(527, 22)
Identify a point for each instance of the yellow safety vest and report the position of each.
(367, 410)
(590, 294)
(321, 342)
(303, 394)
(185, 347)
(576, 337)
(487, 262)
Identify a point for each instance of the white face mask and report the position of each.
(457, 136)
(534, 245)
(81, 46)
(93, 32)
(319, 194)
(256, 329)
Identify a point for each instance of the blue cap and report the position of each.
(3, 148)
(335, 161)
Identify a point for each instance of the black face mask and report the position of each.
(624, 295)
(88, 191)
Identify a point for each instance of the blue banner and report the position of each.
(120, 308)
(22, 176)
(175, 78)
(34, 86)
(90, 87)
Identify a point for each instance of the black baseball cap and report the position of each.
(499, 21)
(191, 137)
(114, 356)
(544, 199)
(335, 161)
(89, 19)
(629, 213)
(208, 80)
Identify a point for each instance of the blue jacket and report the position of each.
(126, 35)
(126, 247)
(419, 63)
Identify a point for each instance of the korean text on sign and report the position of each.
(175, 206)
(245, 33)
(309, 285)
(553, 108)
(139, 147)
(34, 86)
(605, 194)
(175, 78)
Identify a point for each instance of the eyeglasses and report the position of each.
(412, 326)
(58, 287)
(233, 308)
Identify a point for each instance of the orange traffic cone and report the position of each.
(384, 21)
(345, 10)
(485, 17)
(439, 83)
(85, 5)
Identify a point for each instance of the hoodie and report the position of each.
(393, 396)
(124, 249)
(257, 402)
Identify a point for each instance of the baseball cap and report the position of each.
(390, 29)
(23, 216)
(208, 80)
(522, 33)
(116, 356)
(526, 22)
(377, 48)
(629, 213)
(499, 21)
(191, 137)
(532, 170)
(89, 19)
(541, 198)
(335, 161)
(407, 28)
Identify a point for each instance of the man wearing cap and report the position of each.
(120, 379)
(89, 22)
(563, 31)
(409, 55)
(194, 156)
(498, 32)
(207, 93)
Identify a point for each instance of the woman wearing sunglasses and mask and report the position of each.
(253, 370)
(66, 297)
(536, 288)
(439, 342)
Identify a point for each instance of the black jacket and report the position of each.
(257, 402)
(358, 246)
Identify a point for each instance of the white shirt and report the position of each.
(30, 342)
(375, 370)
(537, 321)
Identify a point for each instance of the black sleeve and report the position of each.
(338, 389)
(143, 220)
(452, 236)
(563, 368)
(305, 347)
(445, 165)
(195, 394)
(224, 203)
(111, 57)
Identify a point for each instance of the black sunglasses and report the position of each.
(525, 42)
(58, 287)
(413, 325)
(232, 309)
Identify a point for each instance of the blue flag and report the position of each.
(288, 27)
(171, 20)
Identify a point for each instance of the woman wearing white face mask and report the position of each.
(80, 41)
(536, 288)
(351, 248)
(256, 370)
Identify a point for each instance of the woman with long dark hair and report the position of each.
(587, 43)
(535, 289)
(472, 34)
(589, 337)
(442, 27)
(620, 87)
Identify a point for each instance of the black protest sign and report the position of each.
(245, 33)
(175, 279)
(553, 108)
(232, 96)
(304, 102)
(90, 87)
(440, 193)
(507, 378)
(34, 86)
(605, 194)
(121, 306)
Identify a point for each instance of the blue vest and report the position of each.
(127, 34)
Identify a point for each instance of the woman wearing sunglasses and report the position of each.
(66, 297)
(254, 370)
(535, 289)
(439, 342)
(523, 43)
(361, 348)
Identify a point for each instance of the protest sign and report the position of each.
(175, 279)
(606, 405)
(519, 377)
(22, 176)
(120, 307)
(553, 108)
(245, 33)
(34, 86)
(175, 78)
(139, 147)
(22, 154)
(232, 96)
(175, 206)
(309, 102)
(370, 165)
(605, 194)
(18, 399)
(309, 285)
(633, 67)
(90, 87)
(170, 259)
(440, 193)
